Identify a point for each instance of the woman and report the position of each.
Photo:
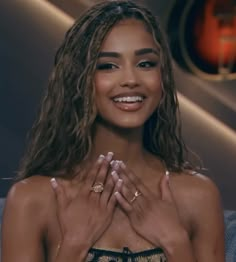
(104, 177)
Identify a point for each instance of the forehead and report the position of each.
(128, 34)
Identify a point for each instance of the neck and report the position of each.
(126, 144)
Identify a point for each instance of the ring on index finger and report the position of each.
(136, 195)
(97, 187)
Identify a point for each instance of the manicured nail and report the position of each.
(122, 164)
(116, 165)
(100, 159)
(119, 182)
(115, 175)
(54, 182)
(109, 156)
(167, 173)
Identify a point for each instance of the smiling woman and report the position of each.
(128, 78)
(105, 176)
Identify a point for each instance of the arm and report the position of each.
(25, 224)
(202, 204)
(22, 228)
(208, 224)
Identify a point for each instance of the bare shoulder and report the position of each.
(195, 189)
(29, 205)
(198, 200)
(33, 189)
(33, 195)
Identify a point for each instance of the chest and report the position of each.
(118, 235)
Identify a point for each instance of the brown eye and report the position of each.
(106, 66)
(147, 64)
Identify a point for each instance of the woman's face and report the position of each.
(128, 78)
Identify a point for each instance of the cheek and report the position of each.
(154, 86)
(153, 81)
(103, 83)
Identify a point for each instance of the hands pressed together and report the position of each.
(99, 189)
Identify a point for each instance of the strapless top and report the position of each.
(126, 255)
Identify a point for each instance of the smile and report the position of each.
(128, 99)
(129, 103)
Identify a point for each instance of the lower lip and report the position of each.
(129, 107)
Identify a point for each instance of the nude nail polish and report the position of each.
(54, 182)
(115, 175)
(109, 156)
(100, 159)
(122, 164)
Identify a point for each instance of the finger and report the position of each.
(119, 172)
(92, 172)
(127, 182)
(61, 198)
(129, 194)
(117, 188)
(114, 176)
(165, 189)
(103, 170)
(125, 205)
(132, 180)
(108, 190)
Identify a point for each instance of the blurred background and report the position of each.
(202, 38)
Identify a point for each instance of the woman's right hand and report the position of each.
(86, 214)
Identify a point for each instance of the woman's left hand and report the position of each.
(154, 218)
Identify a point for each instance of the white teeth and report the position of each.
(131, 99)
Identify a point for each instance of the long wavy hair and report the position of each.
(61, 137)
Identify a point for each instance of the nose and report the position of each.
(129, 78)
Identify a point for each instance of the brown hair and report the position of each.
(62, 135)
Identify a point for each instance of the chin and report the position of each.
(133, 121)
(128, 123)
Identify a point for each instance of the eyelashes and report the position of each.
(148, 64)
(106, 66)
(142, 64)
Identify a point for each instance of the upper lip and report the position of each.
(126, 94)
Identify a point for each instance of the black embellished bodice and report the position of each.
(150, 255)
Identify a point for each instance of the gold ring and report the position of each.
(98, 187)
(136, 195)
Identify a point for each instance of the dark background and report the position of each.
(31, 31)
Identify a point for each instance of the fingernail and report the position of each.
(53, 182)
(167, 173)
(109, 156)
(119, 182)
(100, 159)
(115, 175)
(122, 164)
(116, 165)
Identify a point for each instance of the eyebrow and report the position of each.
(145, 51)
(139, 52)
